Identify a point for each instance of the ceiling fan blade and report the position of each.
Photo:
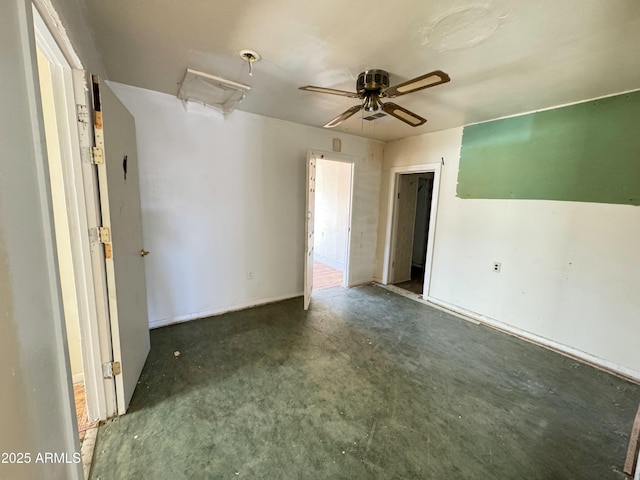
(343, 116)
(403, 114)
(332, 91)
(427, 80)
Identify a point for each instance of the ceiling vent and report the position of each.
(210, 91)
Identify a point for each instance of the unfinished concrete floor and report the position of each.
(366, 385)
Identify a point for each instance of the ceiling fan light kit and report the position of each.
(373, 85)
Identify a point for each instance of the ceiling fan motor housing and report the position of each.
(370, 85)
(372, 80)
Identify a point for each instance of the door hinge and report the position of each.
(104, 234)
(82, 113)
(100, 235)
(111, 369)
(97, 156)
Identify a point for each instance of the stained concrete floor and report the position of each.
(366, 385)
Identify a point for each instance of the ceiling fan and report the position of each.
(373, 85)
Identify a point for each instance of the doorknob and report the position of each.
(143, 253)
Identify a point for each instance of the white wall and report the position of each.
(333, 186)
(221, 198)
(570, 271)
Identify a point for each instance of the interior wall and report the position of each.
(223, 200)
(333, 186)
(569, 273)
(37, 401)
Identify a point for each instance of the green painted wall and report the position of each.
(589, 152)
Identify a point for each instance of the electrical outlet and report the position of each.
(249, 275)
(497, 266)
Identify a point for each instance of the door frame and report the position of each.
(351, 160)
(309, 227)
(351, 163)
(70, 95)
(392, 215)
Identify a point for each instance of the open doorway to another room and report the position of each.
(414, 211)
(410, 233)
(332, 223)
(63, 241)
(70, 230)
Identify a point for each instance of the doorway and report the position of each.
(62, 235)
(412, 207)
(110, 332)
(58, 74)
(332, 223)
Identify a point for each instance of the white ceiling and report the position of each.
(504, 56)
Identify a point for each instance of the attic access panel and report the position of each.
(211, 91)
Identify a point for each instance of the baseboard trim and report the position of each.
(478, 319)
(219, 311)
(418, 298)
(574, 353)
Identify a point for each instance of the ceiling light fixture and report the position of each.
(250, 56)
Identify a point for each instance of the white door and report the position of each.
(115, 136)
(309, 228)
